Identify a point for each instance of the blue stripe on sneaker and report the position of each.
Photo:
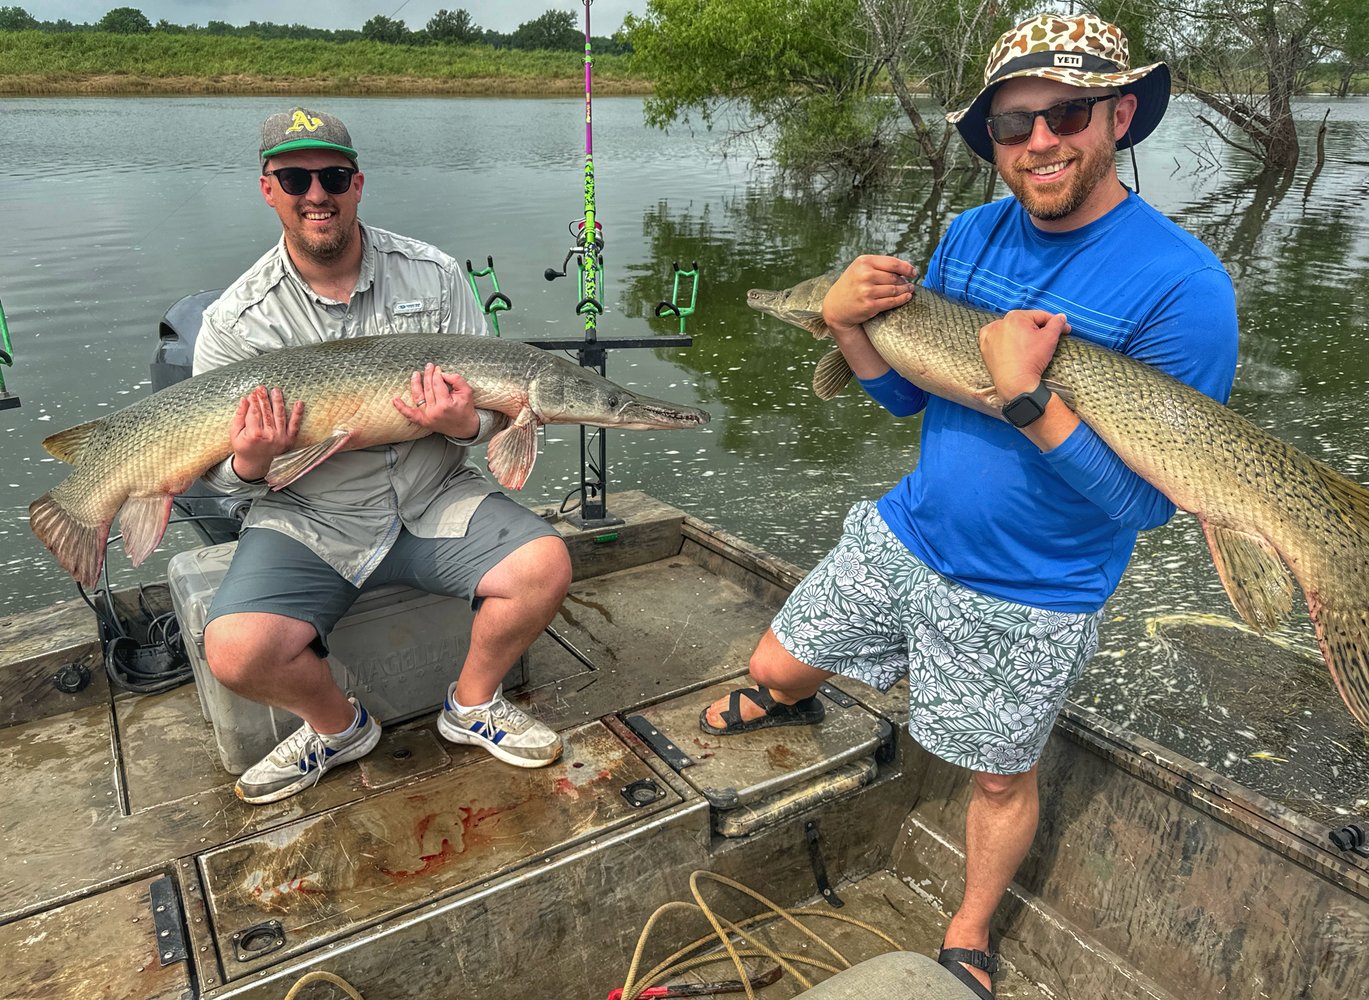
(499, 734)
(477, 726)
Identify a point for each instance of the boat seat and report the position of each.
(903, 974)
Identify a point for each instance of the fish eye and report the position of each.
(613, 402)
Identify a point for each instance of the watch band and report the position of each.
(1027, 408)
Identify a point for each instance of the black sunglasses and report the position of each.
(1065, 118)
(298, 180)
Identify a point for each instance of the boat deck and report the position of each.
(128, 867)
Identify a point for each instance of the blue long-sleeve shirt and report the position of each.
(984, 506)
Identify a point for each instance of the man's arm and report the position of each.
(262, 427)
(1193, 337)
(869, 286)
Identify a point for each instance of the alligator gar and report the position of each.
(1264, 506)
(133, 462)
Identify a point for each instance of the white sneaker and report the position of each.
(502, 728)
(299, 760)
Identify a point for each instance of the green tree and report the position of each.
(453, 27)
(17, 19)
(815, 73)
(125, 21)
(385, 29)
(1243, 59)
(553, 30)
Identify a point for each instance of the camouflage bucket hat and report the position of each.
(1082, 51)
(300, 128)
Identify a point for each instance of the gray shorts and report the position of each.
(274, 574)
(986, 678)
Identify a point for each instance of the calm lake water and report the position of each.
(112, 209)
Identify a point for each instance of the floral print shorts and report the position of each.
(986, 677)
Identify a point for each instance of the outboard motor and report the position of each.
(173, 362)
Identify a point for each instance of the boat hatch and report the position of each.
(757, 778)
(121, 948)
(327, 876)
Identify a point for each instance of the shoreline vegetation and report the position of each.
(42, 64)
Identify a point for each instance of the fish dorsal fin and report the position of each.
(1351, 500)
(512, 452)
(68, 444)
(832, 374)
(1255, 578)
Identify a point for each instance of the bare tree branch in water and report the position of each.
(1246, 59)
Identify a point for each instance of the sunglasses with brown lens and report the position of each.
(1065, 118)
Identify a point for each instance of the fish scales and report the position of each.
(1265, 507)
(133, 461)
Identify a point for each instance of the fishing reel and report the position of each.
(577, 229)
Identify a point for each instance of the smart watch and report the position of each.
(1027, 408)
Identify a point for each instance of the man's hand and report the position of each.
(869, 286)
(1018, 347)
(261, 430)
(443, 403)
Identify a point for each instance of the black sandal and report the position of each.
(955, 960)
(802, 713)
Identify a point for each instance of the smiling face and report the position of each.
(1063, 182)
(319, 226)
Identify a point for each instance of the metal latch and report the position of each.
(166, 920)
(658, 741)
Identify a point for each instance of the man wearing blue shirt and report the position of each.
(981, 575)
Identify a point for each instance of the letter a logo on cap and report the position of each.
(303, 123)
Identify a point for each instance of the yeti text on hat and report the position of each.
(300, 128)
(1082, 51)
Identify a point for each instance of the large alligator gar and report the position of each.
(134, 461)
(1265, 507)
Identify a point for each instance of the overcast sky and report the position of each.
(498, 15)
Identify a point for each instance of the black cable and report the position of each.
(164, 648)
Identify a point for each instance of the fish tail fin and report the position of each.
(832, 374)
(143, 521)
(68, 444)
(1344, 640)
(1342, 626)
(78, 545)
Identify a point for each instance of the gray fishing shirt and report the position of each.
(350, 508)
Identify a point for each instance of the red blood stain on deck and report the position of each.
(296, 885)
(470, 819)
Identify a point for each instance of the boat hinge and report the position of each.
(166, 920)
(810, 830)
(658, 741)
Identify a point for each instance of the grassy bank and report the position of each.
(40, 63)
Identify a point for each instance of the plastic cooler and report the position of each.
(396, 650)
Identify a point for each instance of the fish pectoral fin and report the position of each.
(1064, 392)
(832, 374)
(512, 452)
(1255, 577)
(285, 469)
(143, 522)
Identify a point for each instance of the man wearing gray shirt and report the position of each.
(416, 512)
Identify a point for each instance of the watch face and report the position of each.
(1027, 407)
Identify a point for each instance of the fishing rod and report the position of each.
(8, 400)
(591, 352)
